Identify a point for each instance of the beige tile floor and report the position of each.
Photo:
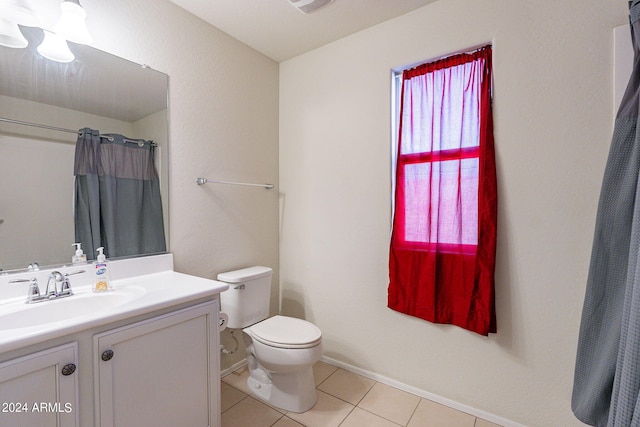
(345, 399)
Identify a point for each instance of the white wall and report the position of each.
(36, 204)
(553, 125)
(223, 108)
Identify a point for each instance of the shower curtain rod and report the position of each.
(37, 125)
(201, 181)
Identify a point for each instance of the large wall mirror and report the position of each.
(96, 90)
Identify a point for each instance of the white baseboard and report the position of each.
(425, 394)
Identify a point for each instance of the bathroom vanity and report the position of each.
(144, 354)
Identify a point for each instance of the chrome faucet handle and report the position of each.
(74, 272)
(23, 280)
(65, 288)
(34, 290)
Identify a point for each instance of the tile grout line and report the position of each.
(414, 411)
(229, 408)
(345, 418)
(373, 413)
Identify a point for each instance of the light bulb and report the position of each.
(72, 24)
(55, 47)
(10, 35)
(19, 12)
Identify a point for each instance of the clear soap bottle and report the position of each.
(103, 280)
(79, 257)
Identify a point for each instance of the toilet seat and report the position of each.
(286, 332)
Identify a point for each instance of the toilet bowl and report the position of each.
(281, 350)
(280, 354)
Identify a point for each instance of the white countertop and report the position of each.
(26, 324)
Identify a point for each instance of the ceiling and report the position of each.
(280, 31)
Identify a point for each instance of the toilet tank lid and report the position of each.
(244, 274)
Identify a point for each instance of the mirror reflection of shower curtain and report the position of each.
(117, 202)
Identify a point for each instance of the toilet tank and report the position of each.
(247, 300)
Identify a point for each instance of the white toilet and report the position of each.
(280, 350)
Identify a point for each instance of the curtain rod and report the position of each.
(201, 181)
(37, 125)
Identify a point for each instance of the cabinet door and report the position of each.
(40, 390)
(160, 372)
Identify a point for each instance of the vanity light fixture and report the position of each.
(10, 35)
(71, 26)
(55, 47)
(73, 23)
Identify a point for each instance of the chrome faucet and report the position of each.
(53, 290)
(58, 286)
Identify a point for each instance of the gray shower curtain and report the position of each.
(117, 202)
(607, 373)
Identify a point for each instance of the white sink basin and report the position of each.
(18, 315)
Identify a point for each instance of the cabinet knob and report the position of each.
(107, 355)
(68, 369)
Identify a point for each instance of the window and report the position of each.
(445, 193)
(438, 160)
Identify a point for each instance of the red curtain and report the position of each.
(442, 254)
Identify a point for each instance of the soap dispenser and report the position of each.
(103, 282)
(79, 257)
